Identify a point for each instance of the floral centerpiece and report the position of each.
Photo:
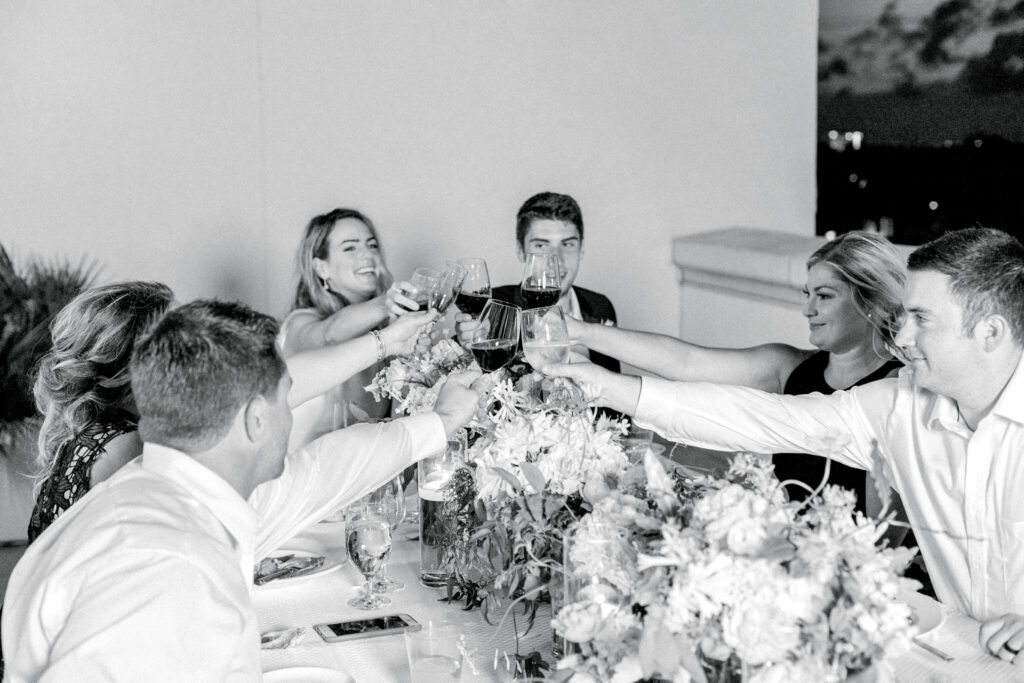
(535, 447)
(723, 579)
(669, 578)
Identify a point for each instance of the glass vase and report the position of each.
(575, 581)
(434, 476)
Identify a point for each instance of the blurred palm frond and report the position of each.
(28, 302)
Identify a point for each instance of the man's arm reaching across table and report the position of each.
(344, 465)
(742, 419)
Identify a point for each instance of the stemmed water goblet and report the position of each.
(388, 501)
(476, 286)
(541, 285)
(369, 544)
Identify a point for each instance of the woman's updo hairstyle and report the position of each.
(85, 373)
(876, 272)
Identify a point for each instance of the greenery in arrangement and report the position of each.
(29, 299)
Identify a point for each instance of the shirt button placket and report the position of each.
(978, 463)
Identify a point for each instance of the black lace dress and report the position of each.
(72, 471)
(72, 474)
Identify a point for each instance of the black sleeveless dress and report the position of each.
(72, 472)
(807, 378)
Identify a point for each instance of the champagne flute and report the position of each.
(496, 336)
(541, 286)
(389, 501)
(545, 336)
(369, 544)
(447, 287)
(426, 281)
(476, 286)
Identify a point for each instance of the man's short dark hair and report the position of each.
(548, 206)
(197, 366)
(986, 271)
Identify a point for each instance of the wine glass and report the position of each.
(541, 286)
(389, 501)
(496, 336)
(447, 287)
(369, 544)
(545, 336)
(426, 281)
(476, 286)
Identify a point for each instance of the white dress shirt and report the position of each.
(149, 576)
(963, 490)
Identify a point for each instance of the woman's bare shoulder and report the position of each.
(781, 360)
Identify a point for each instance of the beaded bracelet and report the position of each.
(381, 351)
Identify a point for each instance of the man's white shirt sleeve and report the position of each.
(338, 468)
(736, 418)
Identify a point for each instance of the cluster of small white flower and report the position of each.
(413, 382)
(565, 447)
(737, 575)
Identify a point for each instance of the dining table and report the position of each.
(322, 597)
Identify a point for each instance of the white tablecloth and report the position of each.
(322, 599)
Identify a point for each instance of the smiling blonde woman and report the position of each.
(345, 290)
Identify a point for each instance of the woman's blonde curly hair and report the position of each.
(85, 373)
(876, 273)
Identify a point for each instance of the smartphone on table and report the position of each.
(367, 628)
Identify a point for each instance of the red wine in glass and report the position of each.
(493, 354)
(540, 297)
(471, 302)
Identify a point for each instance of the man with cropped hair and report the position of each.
(149, 576)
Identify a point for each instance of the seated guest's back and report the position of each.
(149, 576)
(82, 389)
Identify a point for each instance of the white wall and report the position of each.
(190, 142)
(130, 134)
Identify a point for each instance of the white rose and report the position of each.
(759, 631)
(773, 673)
(628, 670)
(746, 537)
(578, 622)
(800, 671)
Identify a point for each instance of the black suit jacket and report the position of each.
(594, 308)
